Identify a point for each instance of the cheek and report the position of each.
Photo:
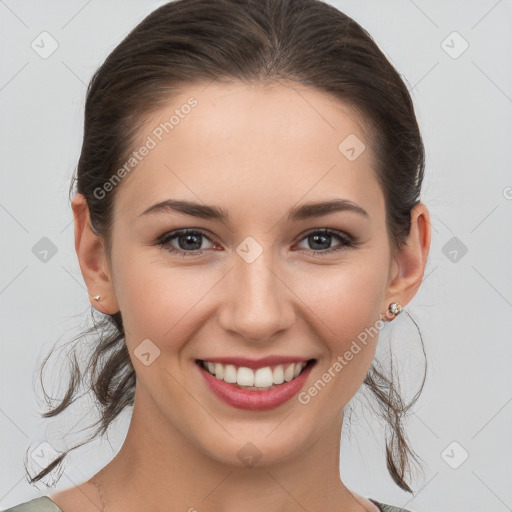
(159, 302)
(346, 306)
(345, 301)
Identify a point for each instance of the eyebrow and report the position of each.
(305, 211)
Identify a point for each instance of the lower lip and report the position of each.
(255, 400)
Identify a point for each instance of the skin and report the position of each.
(256, 151)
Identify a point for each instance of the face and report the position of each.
(271, 279)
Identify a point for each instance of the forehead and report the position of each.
(250, 144)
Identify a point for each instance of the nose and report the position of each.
(258, 303)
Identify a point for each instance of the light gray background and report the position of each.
(464, 107)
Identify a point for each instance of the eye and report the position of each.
(322, 238)
(188, 241)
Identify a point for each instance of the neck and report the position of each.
(158, 467)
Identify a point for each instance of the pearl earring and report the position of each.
(96, 297)
(395, 308)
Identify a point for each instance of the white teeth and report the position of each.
(219, 371)
(229, 374)
(245, 377)
(260, 379)
(263, 378)
(288, 373)
(278, 375)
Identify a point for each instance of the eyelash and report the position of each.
(347, 242)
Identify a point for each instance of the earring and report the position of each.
(96, 297)
(395, 308)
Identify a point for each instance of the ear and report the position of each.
(93, 259)
(409, 262)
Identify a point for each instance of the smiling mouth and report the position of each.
(260, 379)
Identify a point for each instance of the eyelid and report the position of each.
(346, 241)
(171, 235)
(326, 231)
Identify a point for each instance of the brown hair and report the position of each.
(188, 42)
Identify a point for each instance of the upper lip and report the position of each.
(257, 363)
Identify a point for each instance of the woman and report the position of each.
(247, 217)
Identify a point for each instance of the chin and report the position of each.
(263, 448)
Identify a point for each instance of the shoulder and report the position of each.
(41, 504)
(389, 508)
(79, 498)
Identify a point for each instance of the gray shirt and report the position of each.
(45, 504)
